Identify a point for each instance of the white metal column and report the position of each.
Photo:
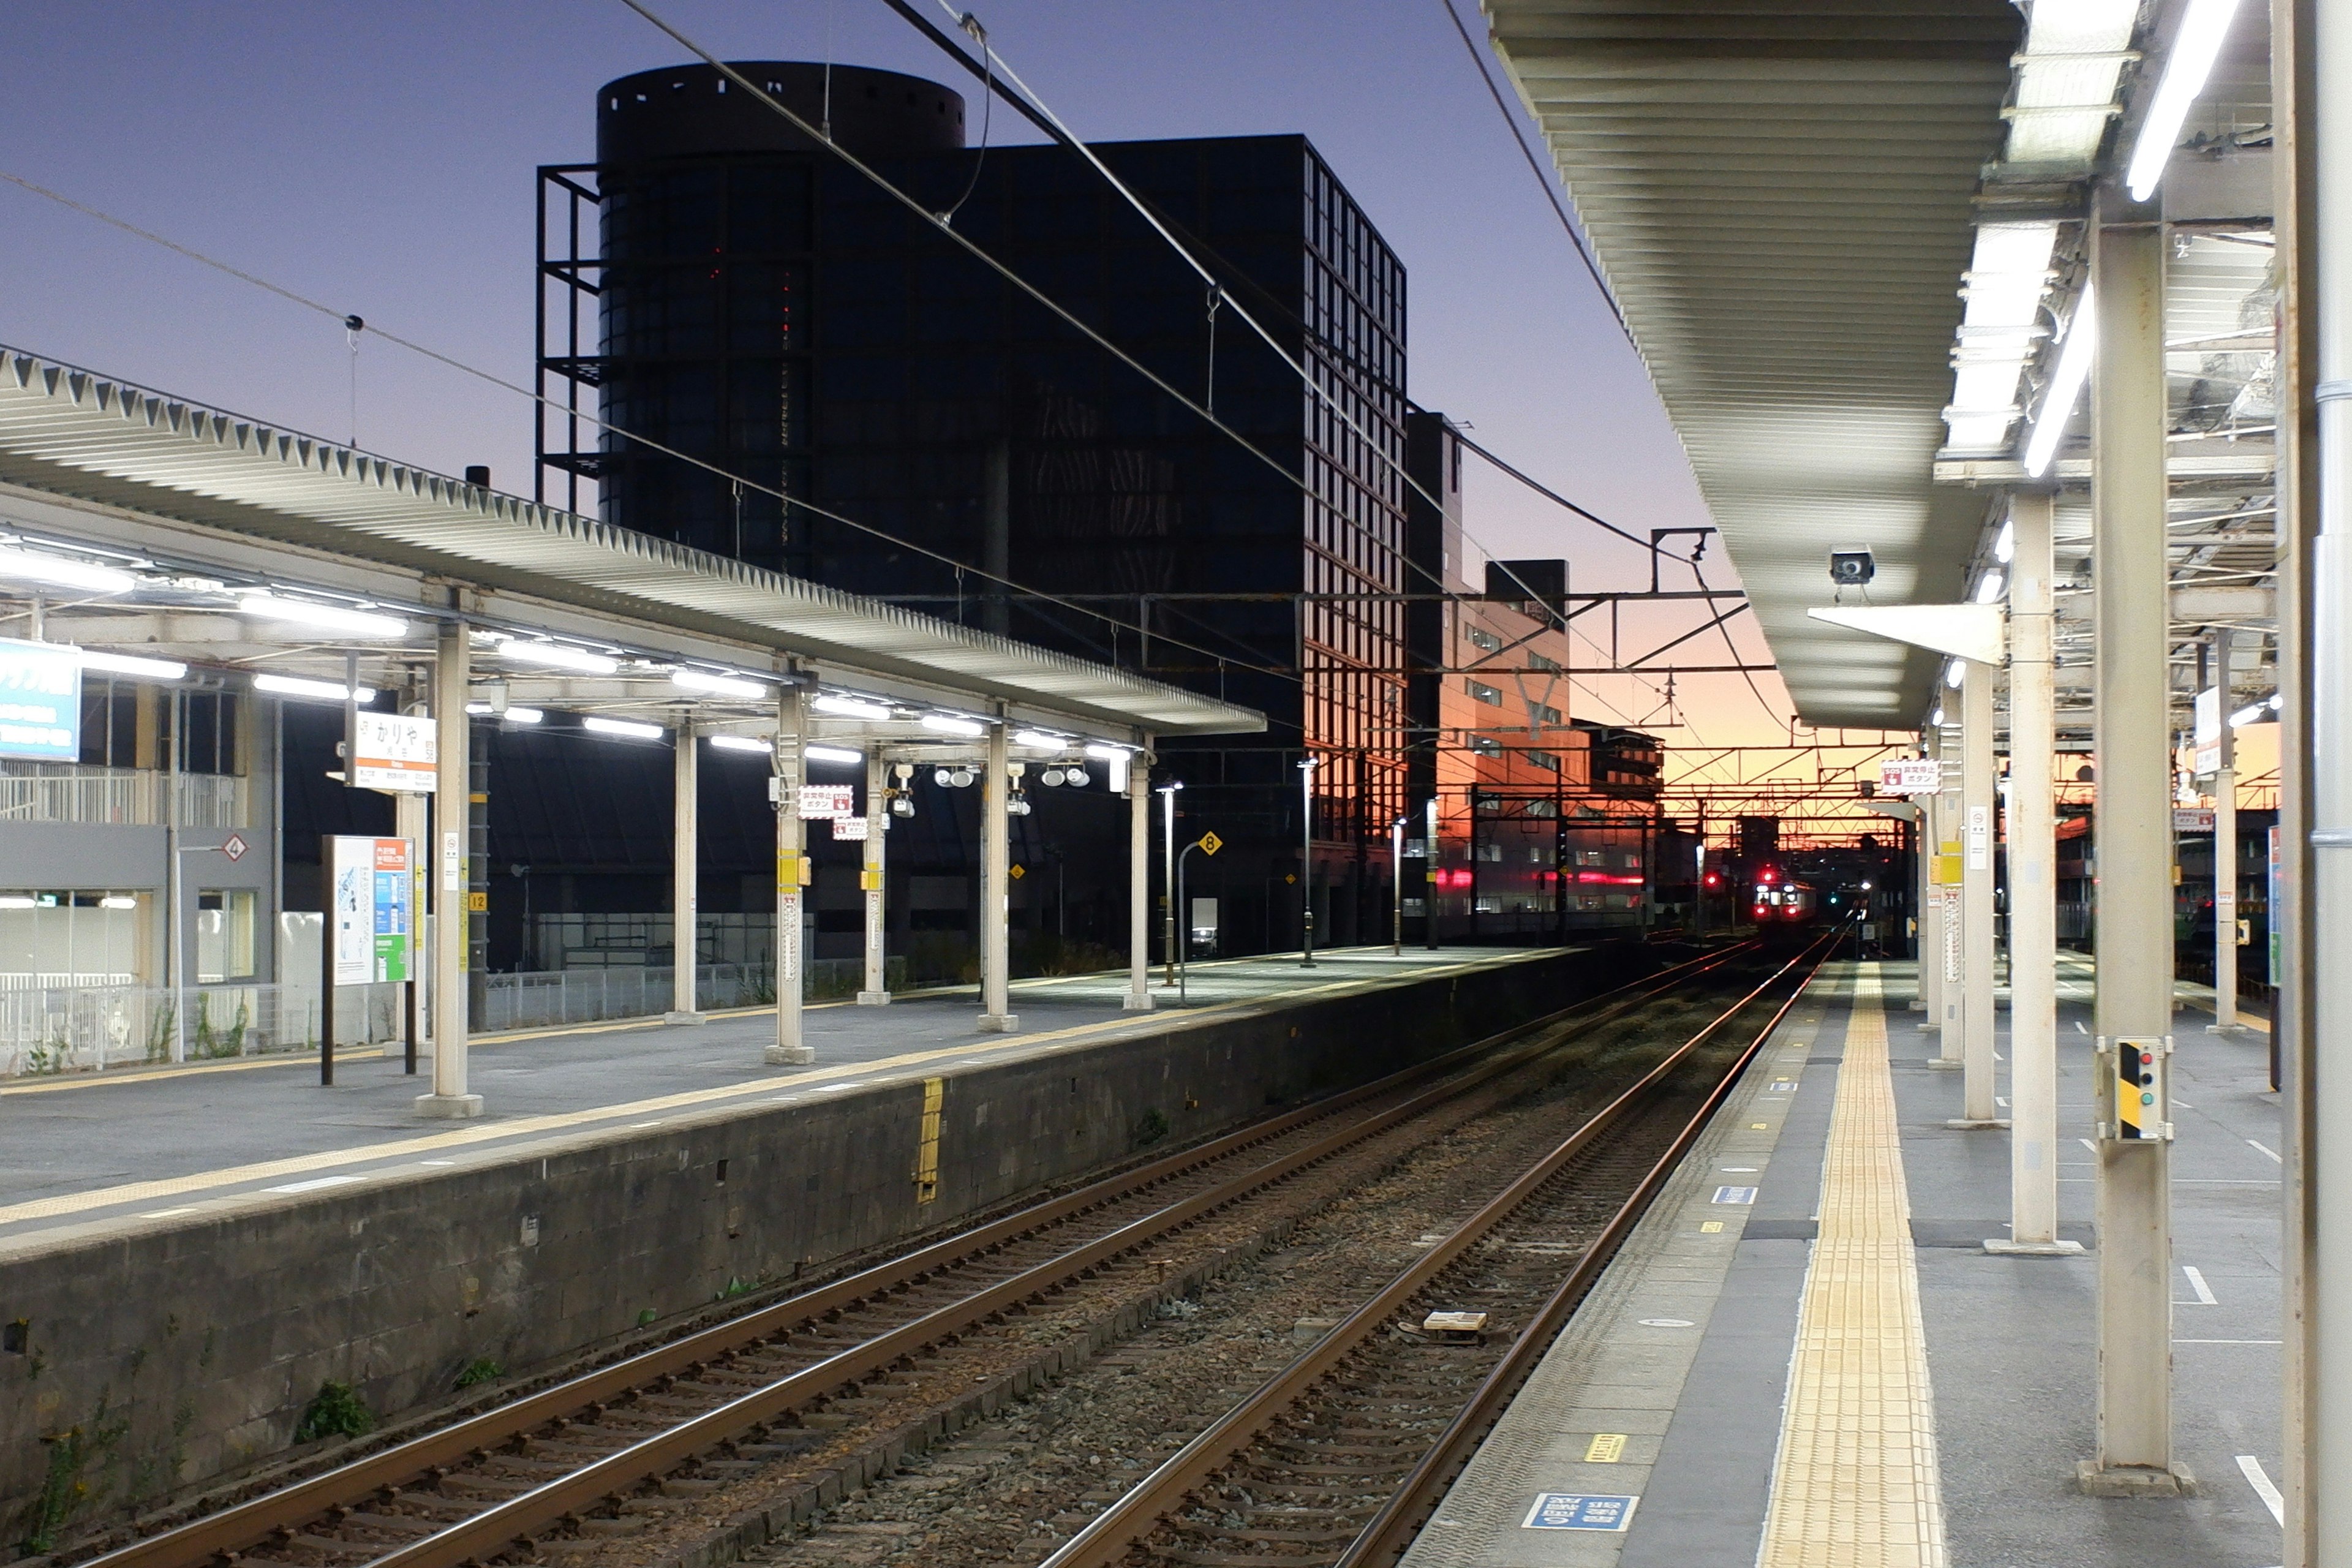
(1138, 886)
(1976, 837)
(2225, 851)
(792, 1048)
(2134, 837)
(871, 880)
(411, 820)
(684, 847)
(1944, 808)
(2319, 1315)
(452, 787)
(2032, 891)
(996, 1014)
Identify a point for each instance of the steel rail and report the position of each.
(241, 1526)
(1106, 1539)
(1389, 1533)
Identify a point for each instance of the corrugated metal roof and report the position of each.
(1779, 194)
(73, 433)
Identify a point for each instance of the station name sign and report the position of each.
(395, 752)
(40, 702)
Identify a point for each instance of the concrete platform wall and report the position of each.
(164, 1353)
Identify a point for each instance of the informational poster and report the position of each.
(40, 702)
(820, 802)
(373, 909)
(395, 752)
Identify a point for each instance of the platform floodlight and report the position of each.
(623, 728)
(62, 572)
(2075, 354)
(126, 663)
(742, 743)
(317, 691)
(273, 606)
(1989, 588)
(950, 724)
(2004, 543)
(850, 707)
(2195, 47)
(556, 656)
(832, 754)
(718, 685)
(1038, 740)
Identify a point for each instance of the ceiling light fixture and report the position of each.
(326, 617)
(626, 729)
(2075, 357)
(850, 706)
(1989, 589)
(125, 664)
(832, 754)
(718, 685)
(322, 690)
(1038, 739)
(2195, 47)
(118, 902)
(949, 724)
(556, 656)
(62, 572)
(742, 743)
(2004, 543)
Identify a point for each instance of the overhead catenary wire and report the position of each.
(1518, 138)
(348, 320)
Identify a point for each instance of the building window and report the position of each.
(223, 936)
(1549, 665)
(1483, 693)
(1544, 713)
(1485, 745)
(1482, 638)
(77, 937)
(1548, 762)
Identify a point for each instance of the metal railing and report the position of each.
(130, 797)
(92, 1028)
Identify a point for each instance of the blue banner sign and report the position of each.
(40, 702)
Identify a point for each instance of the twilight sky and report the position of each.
(381, 158)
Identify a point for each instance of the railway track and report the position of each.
(1339, 1459)
(602, 1454)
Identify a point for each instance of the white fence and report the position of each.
(82, 1028)
(133, 797)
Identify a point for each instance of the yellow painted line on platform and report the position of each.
(526, 1126)
(1855, 1482)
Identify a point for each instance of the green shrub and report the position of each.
(335, 1411)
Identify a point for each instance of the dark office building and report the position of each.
(734, 293)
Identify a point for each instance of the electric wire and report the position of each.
(491, 378)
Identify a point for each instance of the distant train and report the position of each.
(1784, 900)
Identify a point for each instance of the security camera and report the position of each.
(1852, 568)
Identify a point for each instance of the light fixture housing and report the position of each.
(742, 743)
(18, 901)
(351, 622)
(2075, 354)
(850, 707)
(118, 902)
(2195, 47)
(1038, 740)
(128, 664)
(556, 656)
(2004, 543)
(1074, 777)
(1104, 752)
(63, 572)
(950, 724)
(1990, 588)
(832, 754)
(317, 691)
(718, 685)
(624, 729)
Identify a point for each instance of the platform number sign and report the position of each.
(1580, 1511)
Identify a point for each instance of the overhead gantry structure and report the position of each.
(157, 539)
(1871, 255)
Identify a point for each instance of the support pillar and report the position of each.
(1977, 806)
(1927, 986)
(2134, 827)
(452, 783)
(2032, 892)
(872, 881)
(1944, 811)
(1138, 886)
(685, 846)
(409, 821)
(996, 1016)
(793, 878)
(2225, 851)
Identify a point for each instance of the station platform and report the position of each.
(149, 1145)
(1805, 1356)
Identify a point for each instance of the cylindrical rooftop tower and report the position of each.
(707, 216)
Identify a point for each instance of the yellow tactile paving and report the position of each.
(1855, 1482)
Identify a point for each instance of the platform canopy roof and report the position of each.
(179, 490)
(1779, 194)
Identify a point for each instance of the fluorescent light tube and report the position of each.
(63, 572)
(949, 724)
(850, 706)
(742, 743)
(118, 902)
(2195, 47)
(832, 754)
(323, 690)
(1935, 719)
(555, 656)
(718, 685)
(2004, 543)
(2075, 357)
(1104, 752)
(628, 728)
(1988, 590)
(1040, 741)
(326, 617)
(124, 664)
(17, 902)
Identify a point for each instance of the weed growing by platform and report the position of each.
(65, 1489)
(335, 1411)
(1149, 1129)
(481, 1369)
